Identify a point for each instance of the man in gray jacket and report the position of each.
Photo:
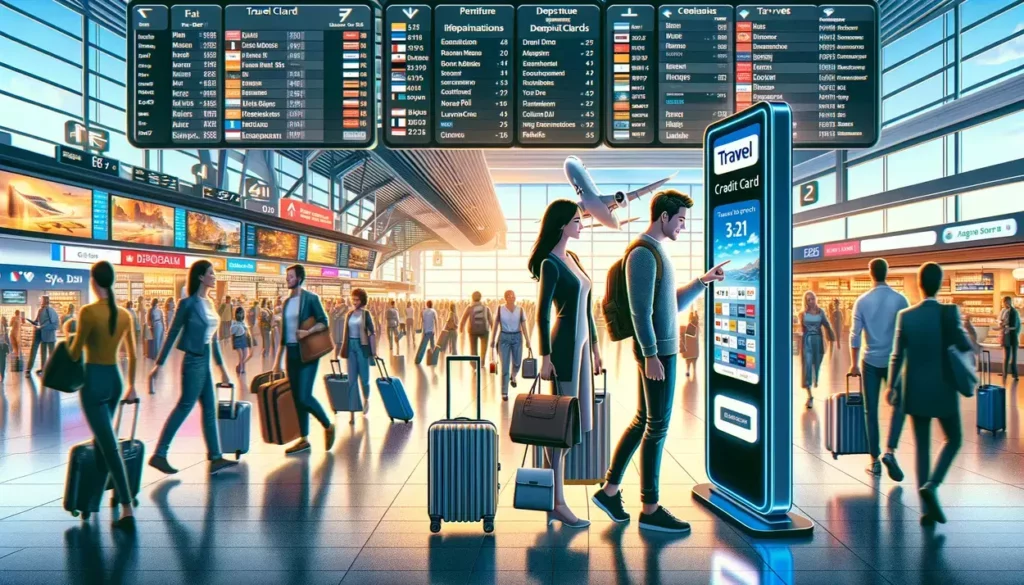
(921, 380)
(655, 304)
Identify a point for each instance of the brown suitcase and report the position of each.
(279, 422)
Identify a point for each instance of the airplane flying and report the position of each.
(601, 208)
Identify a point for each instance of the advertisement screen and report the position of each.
(737, 457)
(275, 244)
(214, 234)
(141, 222)
(34, 205)
(322, 252)
(358, 258)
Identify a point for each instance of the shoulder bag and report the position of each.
(62, 373)
(315, 345)
(962, 364)
(545, 420)
(535, 488)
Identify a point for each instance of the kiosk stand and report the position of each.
(749, 403)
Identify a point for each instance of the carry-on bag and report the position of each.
(392, 392)
(545, 420)
(422, 351)
(462, 469)
(279, 421)
(264, 378)
(398, 361)
(62, 373)
(88, 476)
(588, 462)
(234, 421)
(434, 356)
(991, 400)
(845, 433)
(343, 395)
(529, 368)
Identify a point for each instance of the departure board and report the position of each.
(558, 81)
(473, 75)
(630, 65)
(234, 75)
(694, 71)
(822, 60)
(408, 74)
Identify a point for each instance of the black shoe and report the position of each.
(513, 382)
(933, 510)
(161, 464)
(875, 468)
(220, 464)
(895, 473)
(504, 397)
(611, 505)
(663, 521)
(126, 524)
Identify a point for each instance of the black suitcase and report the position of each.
(845, 432)
(88, 477)
(991, 399)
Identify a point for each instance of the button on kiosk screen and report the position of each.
(736, 447)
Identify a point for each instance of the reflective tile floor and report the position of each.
(358, 514)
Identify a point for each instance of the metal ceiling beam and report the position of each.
(315, 156)
(366, 193)
(386, 211)
(348, 163)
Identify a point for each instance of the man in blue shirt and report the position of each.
(874, 316)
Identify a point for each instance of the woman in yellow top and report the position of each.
(102, 327)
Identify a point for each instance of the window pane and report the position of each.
(32, 120)
(865, 224)
(991, 31)
(32, 61)
(993, 142)
(913, 98)
(42, 92)
(912, 42)
(914, 215)
(993, 62)
(40, 35)
(865, 179)
(474, 261)
(816, 233)
(913, 70)
(534, 200)
(825, 191)
(178, 164)
(914, 165)
(434, 275)
(992, 201)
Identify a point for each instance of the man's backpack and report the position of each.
(617, 313)
(478, 323)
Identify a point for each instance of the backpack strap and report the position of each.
(640, 243)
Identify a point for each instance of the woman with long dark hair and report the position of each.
(196, 322)
(102, 328)
(568, 336)
(155, 320)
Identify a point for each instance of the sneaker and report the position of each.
(895, 473)
(513, 382)
(611, 505)
(663, 521)
(933, 511)
(299, 447)
(329, 436)
(160, 463)
(875, 468)
(220, 464)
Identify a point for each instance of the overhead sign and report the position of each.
(36, 278)
(85, 255)
(985, 230)
(241, 265)
(92, 138)
(87, 161)
(259, 197)
(307, 214)
(808, 193)
(218, 264)
(268, 268)
(154, 178)
(257, 189)
(329, 272)
(152, 259)
(222, 196)
(201, 172)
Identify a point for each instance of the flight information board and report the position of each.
(237, 75)
(631, 89)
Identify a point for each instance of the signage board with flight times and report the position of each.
(228, 74)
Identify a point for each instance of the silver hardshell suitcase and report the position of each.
(587, 463)
(234, 423)
(463, 466)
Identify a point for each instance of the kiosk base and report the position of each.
(789, 526)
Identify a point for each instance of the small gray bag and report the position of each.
(535, 488)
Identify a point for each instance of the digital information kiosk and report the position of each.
(749, 403)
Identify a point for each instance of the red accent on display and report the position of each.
(842, 248)
(152, 259)
(307, 214)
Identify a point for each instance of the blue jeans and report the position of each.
(196, 386)
(428, 338)
(510, 347)
(301, 377)
(873, 378)
(100, 397)
(813, 354)
(359, 367)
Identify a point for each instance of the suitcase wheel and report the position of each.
(488, 525)
(392, 419)
(74, 513)
(435, 525)
(85, 515)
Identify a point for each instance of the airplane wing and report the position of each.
(623, 222)
(649, 188)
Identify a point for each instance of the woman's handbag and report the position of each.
(62, 373)
(529, 369)
(315, 345)
(535, 488)
(962, 364)
(545, 420)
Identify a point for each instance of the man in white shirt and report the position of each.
(429, 325)
(410, 322)
(874, 316)
(509, 333)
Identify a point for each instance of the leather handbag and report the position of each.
(62, 373)
(529, 368)
(315, 345)
(535, 488)
(545, 420)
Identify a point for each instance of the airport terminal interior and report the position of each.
(416, 199)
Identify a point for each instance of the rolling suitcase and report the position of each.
(991, 400)
(264, 378)
(529, 368)
(398, 361)
(433, 356)
(279, 422)
(392, 392)
(234, 421)
(588, 462)
(462, 463)
(343, 396)
(845, 433)
(422, 351)
(88, 477)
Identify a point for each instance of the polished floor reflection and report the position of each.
(358, 514)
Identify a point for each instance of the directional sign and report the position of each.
(77, 134)
(808, 193)
(257, 189)
(201, 172)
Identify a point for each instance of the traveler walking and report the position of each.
(5, 348)
(392, 319)
(812, 347)
(451, 327)
(156, 329)
(479, 317)
(1009, 323)
(47, 324)
(240, 336)
(359, 344)
(509, 332)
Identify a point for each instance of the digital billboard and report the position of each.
(322, 252)
(275, 244)
(35, 205)
(214, 234)
(141, 222)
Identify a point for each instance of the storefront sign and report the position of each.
(978, 282)
(986, 230)
(842, 249)
(241, 265)
(217, 263)
(268, 268)
(153, 259)
(87, 161)
(36, 278)
(14, 297)
(313, 272)
(305, 213)
(329, 272)
(85, 255)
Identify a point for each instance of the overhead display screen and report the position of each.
(36, 205)
(321, 252)
(214, 234)
(277, 244)
(238, 75)
(140, 222)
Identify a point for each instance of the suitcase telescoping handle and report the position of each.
(382, 367)
(986, 366)
(336, 371)
(448, 372)
(860, 394)
(232, 388)
(600, 396)
(120, 411)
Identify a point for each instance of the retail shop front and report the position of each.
(983, 263)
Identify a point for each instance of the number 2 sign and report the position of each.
(808, 193)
